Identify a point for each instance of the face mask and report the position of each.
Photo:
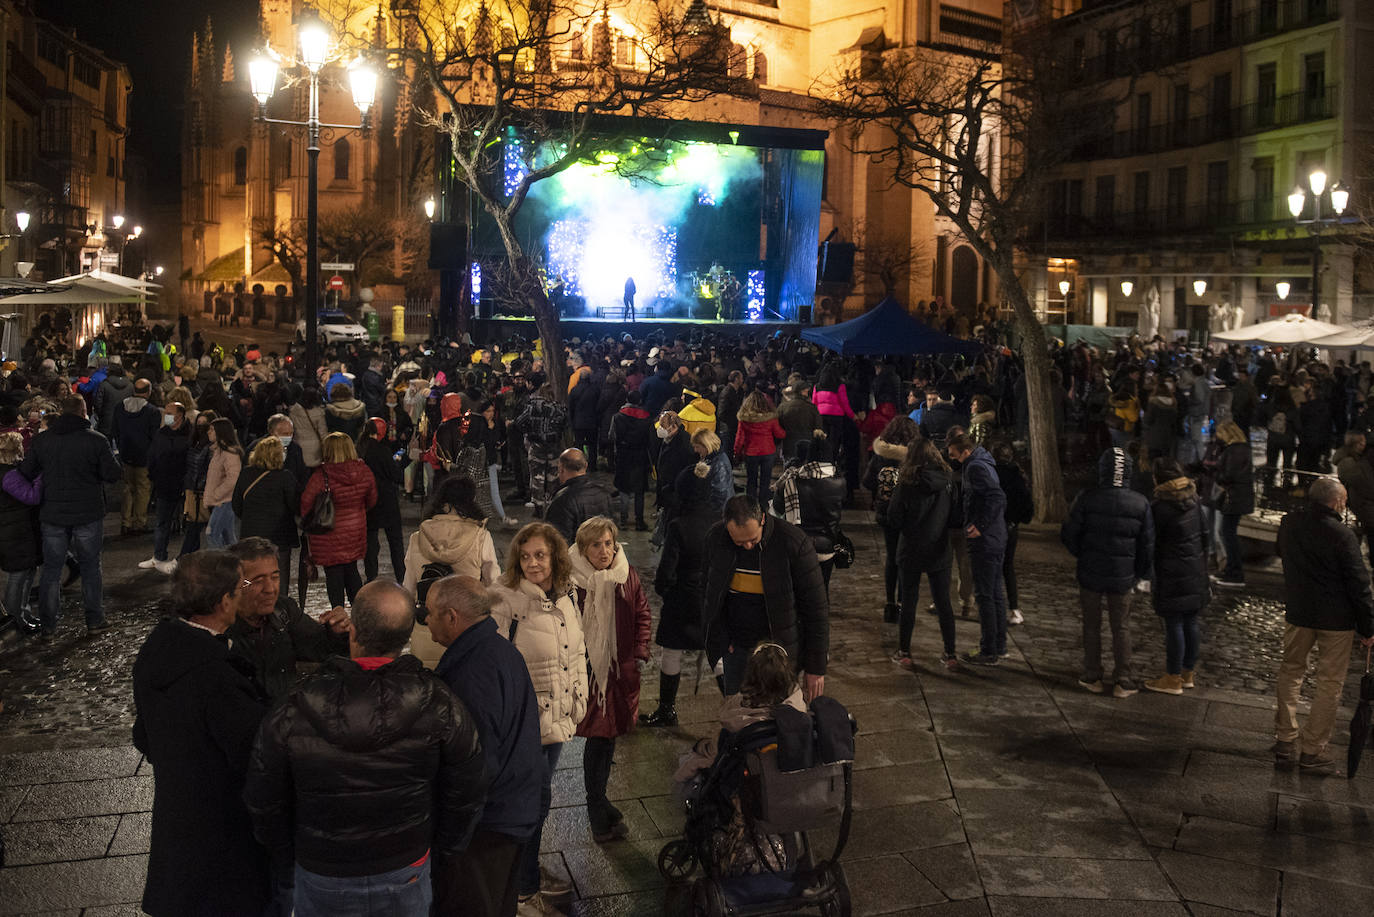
(285, 441)
(665, 433)
(168, 419)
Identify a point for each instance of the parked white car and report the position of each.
(334, 328)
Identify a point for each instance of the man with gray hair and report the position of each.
(488, 674)
(579, 498)
(1327, 593)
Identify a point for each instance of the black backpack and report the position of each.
(429, 575)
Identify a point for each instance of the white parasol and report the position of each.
(1294, 328)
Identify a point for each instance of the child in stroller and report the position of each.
(776, 770)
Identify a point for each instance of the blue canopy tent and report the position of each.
(887, 328)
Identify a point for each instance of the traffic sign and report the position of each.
(336, 282)
(336, 265)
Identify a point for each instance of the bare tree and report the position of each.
(980, 133)
(886, 258)
(377, 244)
(548, 75)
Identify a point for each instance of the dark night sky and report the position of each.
(153, 37)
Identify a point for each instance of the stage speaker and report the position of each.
(804, 315)
(836, 262)
(448, 247)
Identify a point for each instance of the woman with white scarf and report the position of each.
(616, 626)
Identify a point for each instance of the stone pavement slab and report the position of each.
(72, 764)
(1209, 880)
(897, 829)
(1291, 853)
(51, 886)
(951, 869)
(28, 843)
(1073, 877)
(1065, 823)
(91, 797)
(1305, 896)
(1044, 907)
(886, 885)
(881, 787)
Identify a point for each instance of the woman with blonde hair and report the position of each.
(182, 395)
(534, 607)
(353, 489)
(719, 473)
(265, 502)
(615, 623)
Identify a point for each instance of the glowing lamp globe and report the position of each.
(1199, 287)
(314, 42)
(362, 80)
(429, 208)
(1317, 182)
(118, 220)
(1064, 288)
(21, 219)
(262, 77)
(1297, 199)
(1126, 287)
(1340, 197)
(1282, 288)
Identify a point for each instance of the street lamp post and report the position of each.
(262, 70)
(1297, 204)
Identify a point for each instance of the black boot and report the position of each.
(666, 714)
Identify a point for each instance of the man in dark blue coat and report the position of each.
(136, 422)
(1112, 534)
(985, 525)
(488, 674)
(76, 464)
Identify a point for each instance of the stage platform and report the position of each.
(587, 328)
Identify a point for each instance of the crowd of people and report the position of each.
(373, 776)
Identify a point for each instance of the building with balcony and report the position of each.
(63, 125)
(1218, 108)
(240, 177)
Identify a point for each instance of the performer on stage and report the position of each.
(629, 313)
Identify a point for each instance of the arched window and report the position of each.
(760, 68)
(241, 166)
(342, 153)
(736, 62)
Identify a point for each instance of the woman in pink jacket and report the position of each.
(840, 423)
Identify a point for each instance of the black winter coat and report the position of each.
(167, 461)
(76, 464)
(1110, 531)
(920, 510)
(267, 508)
(793, 593)
(821, 501)
(1180, 584)
(632, 431)
(1325, 580)
(362, 771)
(681, 578)
(390, 475)
(673, 456)
(197, 713)
(21, 540)
(578, 500)
(936, 421)
(134, 432)
(1314, 423)
(1236, 477)
(287, 636)
(582, 405)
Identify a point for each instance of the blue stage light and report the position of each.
(476, 282)
(515, 169)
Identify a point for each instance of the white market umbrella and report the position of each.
(1294, 328)
(1349, 339)
(74, 295)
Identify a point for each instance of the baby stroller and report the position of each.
(791, 775)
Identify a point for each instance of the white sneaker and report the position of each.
(149, 564)
(166, 567)
(1014, 617)
(529, 504)
(511, 522)
(552, 886)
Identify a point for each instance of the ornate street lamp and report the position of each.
(1282, 288)
(1339, 196)
(1199, 286)
(315, 42)
(1126, 288)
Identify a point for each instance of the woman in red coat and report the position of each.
(615, 625)
(354, 489)
(756, 441)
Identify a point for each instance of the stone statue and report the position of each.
(1148, 320)
(1235, 316)
(1323, 312)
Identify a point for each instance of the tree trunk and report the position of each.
(529, 290)
(1047, 479)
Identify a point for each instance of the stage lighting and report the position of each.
(476, 282)
(515, 170)
(755, 293)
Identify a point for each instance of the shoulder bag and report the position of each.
(320, 518)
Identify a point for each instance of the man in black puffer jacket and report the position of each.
(368, 767)
(763, 583)
(579, 498)
(1111, 533)
(1327, 593)
(76, 464)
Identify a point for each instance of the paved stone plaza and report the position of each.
(1007, 791)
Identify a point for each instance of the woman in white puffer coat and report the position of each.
(534, 607)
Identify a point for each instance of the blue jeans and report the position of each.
(1182, 643)
(17, 594)
(1190, 444)
(529, 855)
(991, 595)
(85, 541)
(167, 509)
(758, 474)
(404, 892)
(220, 530)
(1230, 542)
